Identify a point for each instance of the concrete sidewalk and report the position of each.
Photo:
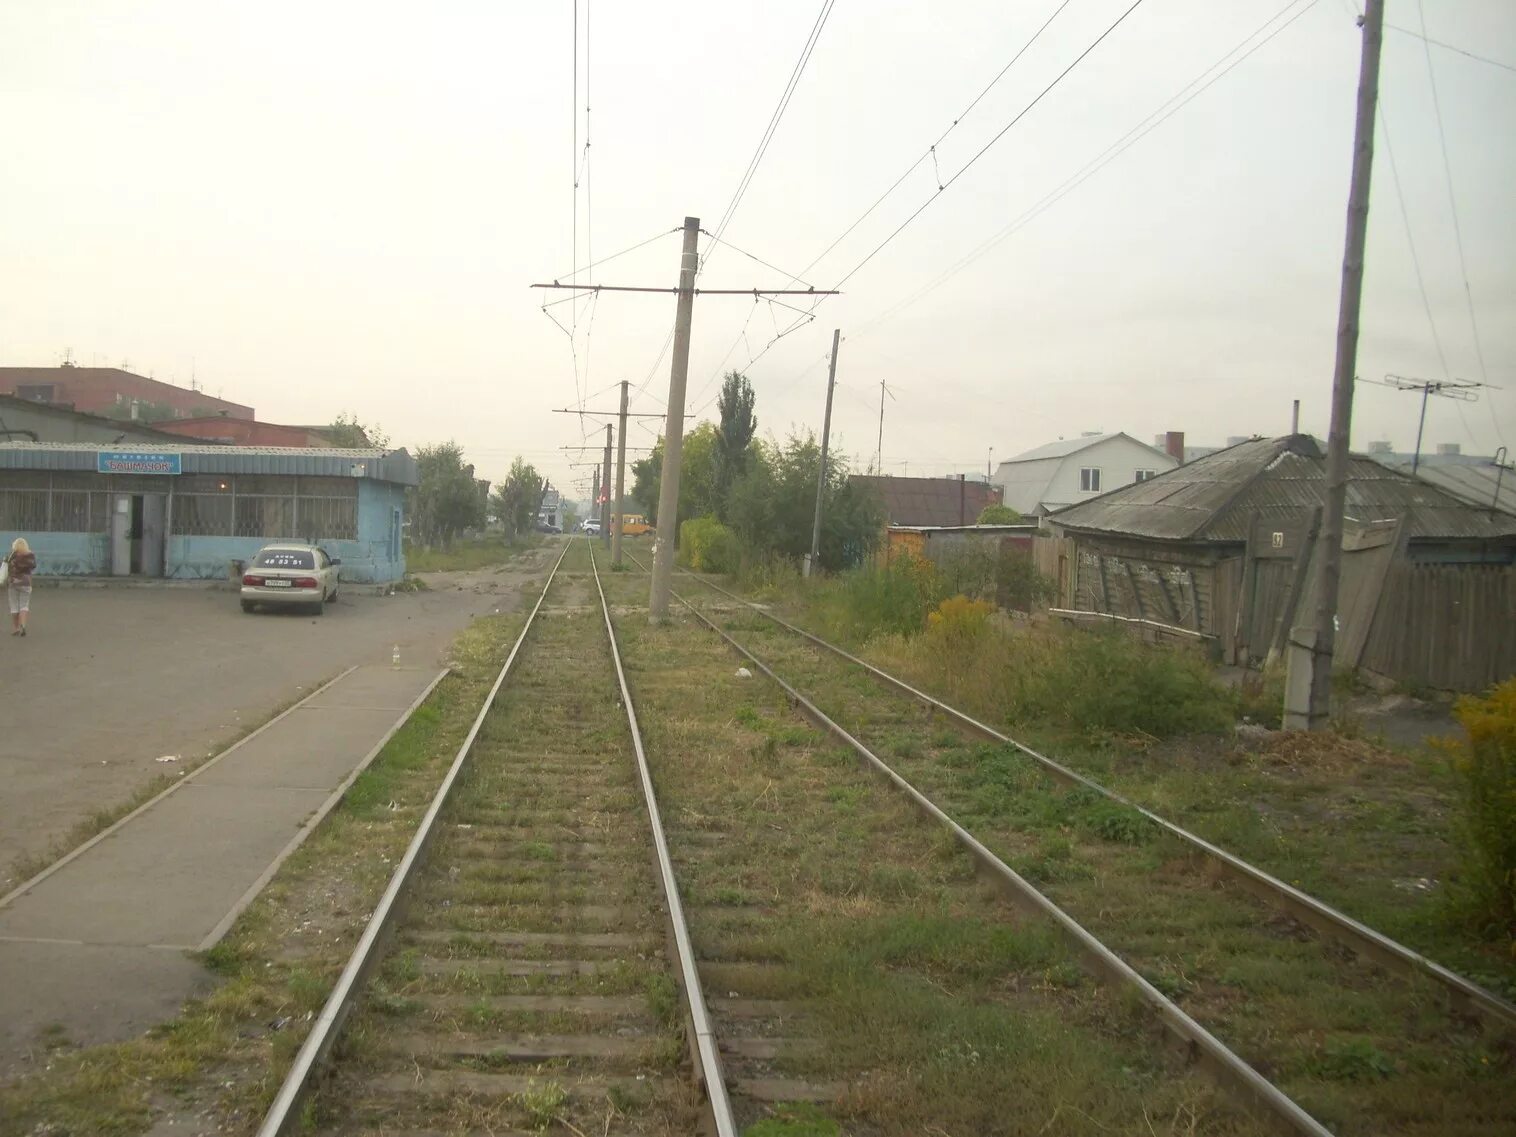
(96, 944)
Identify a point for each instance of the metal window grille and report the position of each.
(328, 518)
(202, 515)
(258, 515)
(23, 511)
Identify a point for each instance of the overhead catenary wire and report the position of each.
(931, 150)
(1410, 240)
(963, 169)
(773, 125)
(1447, 169)
(1166, 110)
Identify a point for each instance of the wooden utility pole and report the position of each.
(826, 433)
(605, 510)
(673, 429)
(1308, 682)
(673, 434)
(620, 482)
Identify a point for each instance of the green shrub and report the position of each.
(706, 545)
(1484, 762)
(893, 598)
(1103, 682)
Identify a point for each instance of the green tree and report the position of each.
(346, 431)
(448, 499)
(697, 475)
(734, 435)
(519, 497)
(773, 505)
(998, 515)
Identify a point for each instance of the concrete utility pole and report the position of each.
(826, 433)
(673, 430)
(1308, 682)
(620, 481)
(595, 493)
(605, 510)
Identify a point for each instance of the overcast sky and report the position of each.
(325, 207)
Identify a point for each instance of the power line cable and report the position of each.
(1424, 38)
(1447, 169)
(1171, 106)
(931, 150)
(986, 147)
(1405, 217)
(773, 125)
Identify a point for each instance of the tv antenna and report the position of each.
(1463, 390)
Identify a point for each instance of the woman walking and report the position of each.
(20, 563)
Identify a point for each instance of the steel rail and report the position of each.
(1317, 914)
(284, 1115)
(1198, 1042)
(707, 1053)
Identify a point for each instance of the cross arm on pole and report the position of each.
(754, 292)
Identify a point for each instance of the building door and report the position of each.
(121, 534)
(154, 522)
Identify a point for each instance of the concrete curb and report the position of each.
(312, 822)
(73, 854)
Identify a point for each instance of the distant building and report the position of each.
(1477, 479)
(24, 421)
(550, 512)
(1222, 547)
(928, 501)
(189, 511)
(112, 392)
(243, 432)
(1072, 470)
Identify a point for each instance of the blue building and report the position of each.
(187, 512)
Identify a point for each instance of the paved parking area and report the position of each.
(110, 680)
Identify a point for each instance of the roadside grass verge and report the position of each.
(480, 552)
(221, 1060)
(26, 867)
(912, 984)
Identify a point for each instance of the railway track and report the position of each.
(528, 965)
(1364, 1049)
(541, 958)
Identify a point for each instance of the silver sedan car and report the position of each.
(290, 575)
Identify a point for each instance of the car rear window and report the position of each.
(285, 559)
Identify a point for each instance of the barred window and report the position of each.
(264, 516)
(202, 515)
(328, 518)
(70, 512)
(23, 510)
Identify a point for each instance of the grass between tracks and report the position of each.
(934, 1005)
(1365, 1053)
(219, 1063)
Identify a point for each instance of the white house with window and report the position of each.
(1076, 469)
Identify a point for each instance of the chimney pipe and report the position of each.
(1173, 445)
(1295, 418)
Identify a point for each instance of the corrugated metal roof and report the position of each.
(1475, 484)
(1218, 497)
(928, 501)
(380, 465)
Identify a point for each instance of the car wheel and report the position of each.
(247, 605)
(320, 607)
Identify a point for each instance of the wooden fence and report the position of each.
(1452, 627)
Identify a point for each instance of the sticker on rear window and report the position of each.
(286, 559)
